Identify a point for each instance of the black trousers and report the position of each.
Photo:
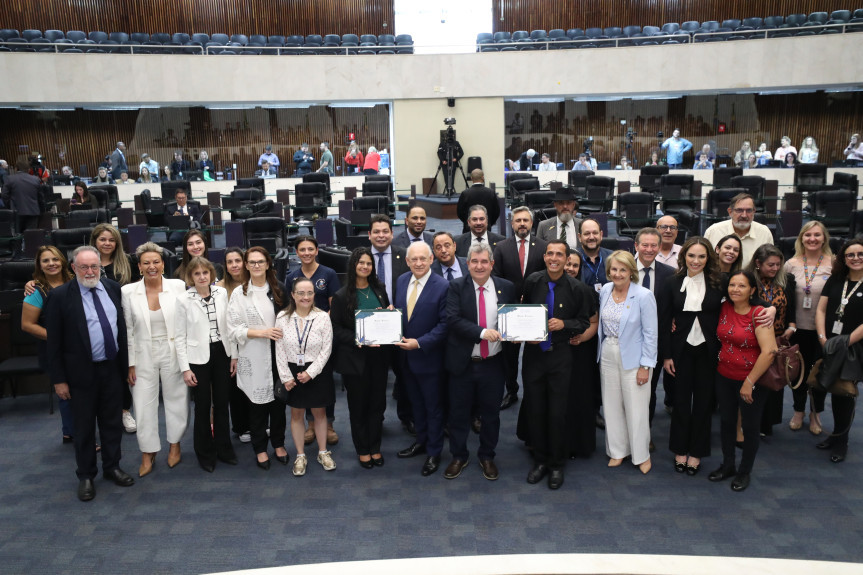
(510, 357)
(728, 396)
(481, 385)
(213, 388)
(546, 390)
(263, 415)
(843, 411)
(810, 349)
(100, 402)
(693, 402)
(127, 398)
(367, 401)
(239, 407)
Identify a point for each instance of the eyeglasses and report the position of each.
(667, 228)
(256, 264)
(84, 268)
(741, 211)
(854, 256)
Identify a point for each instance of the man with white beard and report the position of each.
(565, 225)
(742, 224)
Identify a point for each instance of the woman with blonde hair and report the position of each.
(116, 265)
(808, 151)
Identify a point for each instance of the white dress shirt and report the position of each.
(641, 272)
(571, 232)
(388, 269)
(526, 241)
(490, 298)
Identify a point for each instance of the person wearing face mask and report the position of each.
(742, 224)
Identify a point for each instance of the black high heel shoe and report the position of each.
(283, 459)
(366, 464)
(692, 470)
(378, 462)
(265, 465)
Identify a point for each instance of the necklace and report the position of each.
(365, 292)
(807, 276)
(618, 299)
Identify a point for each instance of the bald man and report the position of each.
(477, 194)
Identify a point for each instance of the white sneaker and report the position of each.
(245, 437)
(129, 422)
(325, 458)
(300, 465)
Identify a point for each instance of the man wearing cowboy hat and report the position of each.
(565, 225)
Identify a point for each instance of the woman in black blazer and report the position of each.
(363, 368)
(693, 297)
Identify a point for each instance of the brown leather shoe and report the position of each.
(489, 469)
(174, 455)
(332, 436)
(309, 435)
(147, 462)
(454, 469)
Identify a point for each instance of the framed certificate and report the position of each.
(522, 322)
(378, 326)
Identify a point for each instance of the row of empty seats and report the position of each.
(675, 33)
(179, 42)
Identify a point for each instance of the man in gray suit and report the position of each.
(118, 160)
(415, 225)
(479, 233)
(22, 194)
(565, 225)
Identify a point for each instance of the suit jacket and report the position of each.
(350, 359)
(664, 274)
(571, 303)
(136, 311)
(427, 323)
(463, 319)
(194, 210)
(403, 240)
(69, 340)
(478, 194)
(21, 193)
(639, 329)
(548, 230)
(118, 163)
(507, 265)
(462, 242)
(192, 328)
(672, 300)
(437, 267)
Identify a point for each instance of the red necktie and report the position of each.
(521, 255)
(483, 345)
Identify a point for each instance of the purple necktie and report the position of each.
(107, 333)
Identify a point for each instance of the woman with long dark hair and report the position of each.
(235, 276)
(82, 197)
(252, 321)
(363, 368)
(194, 246)
(728, 250)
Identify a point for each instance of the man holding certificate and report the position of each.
(474, 359)
(421, 297)
(547, 364)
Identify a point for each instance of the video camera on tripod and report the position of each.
(449, 154)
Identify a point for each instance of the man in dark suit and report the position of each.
(653, 275)
(446, 263)
(22, 193)
(477, 219)
(525, 161)
(390, 263)
(477, 195)
(415, 225)
(421, 296)
(87, 341)
(181, 207)
(516, 258)
(547, 365)
(118, 160)
(474, 360)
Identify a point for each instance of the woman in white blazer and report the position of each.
(149, 307)
(628, 334)
(204, 352)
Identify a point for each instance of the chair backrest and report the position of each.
(810, 174)
(247, 194)
(722, 176)
(378, 189)
(334, 258)
(67, 240)
(638, 205)
(834, 204)
(322, 177)
(377, 178)
(578, 179)
(251, 183)
(316, 190)
(83, 218)
(719, 200)
(265, 228)
(102, 193)
(15, 274)
(376, 204)
(169, 189)
(524, 185)
(846, 181)
(539, 200)
(602, 182)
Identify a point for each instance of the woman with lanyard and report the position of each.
(811, 267)
(326, 284)
(777, 288)
(302, 359)
(252, 322)
(840, 312)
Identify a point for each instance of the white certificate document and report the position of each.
(527, 322)
(378, 326)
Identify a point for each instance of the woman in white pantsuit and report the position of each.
(149, 307)
(628, 334)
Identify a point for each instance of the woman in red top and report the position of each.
(745, 354)
(354, 160)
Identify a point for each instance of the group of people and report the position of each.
(355, 162)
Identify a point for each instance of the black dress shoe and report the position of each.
(431, 465)
(455, 468)
(838, 453)
(680, 466)
(555, 479)
(826, 444)
(740, 482)
(536, 474)
(366, 464)
(509, 400)
(265, 465)
(379, 462)
(283, 459)
(412, 451)
(208, 466)
(119, 477)
(692, 470)
(600, 421)
(409, 427)
(723, 473)
(86, 490)
(229, 458)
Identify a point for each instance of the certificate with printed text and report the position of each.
(378, 326)
(523, 322)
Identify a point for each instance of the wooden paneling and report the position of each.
(267, 17)
(549, 14)
(229, 136)
(561, 128)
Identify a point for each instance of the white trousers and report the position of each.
(161, 364)
(625, 405)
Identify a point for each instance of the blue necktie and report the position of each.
(646, 281)
(107, 333)
(549, 303)
(382, 274)
(449, 276)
